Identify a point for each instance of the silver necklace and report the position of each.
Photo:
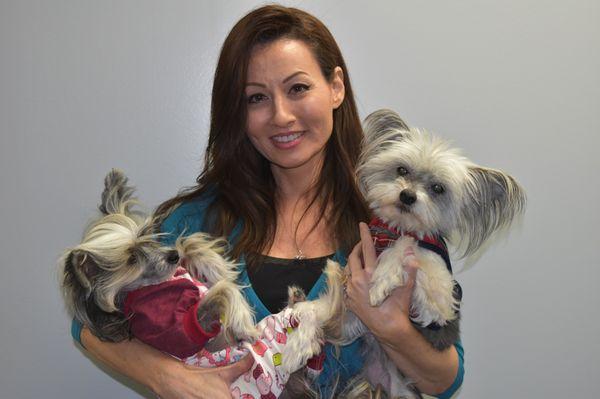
(299, 254)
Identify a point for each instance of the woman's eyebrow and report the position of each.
(294, 75)
(283, 81)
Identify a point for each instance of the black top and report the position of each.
(270, 280)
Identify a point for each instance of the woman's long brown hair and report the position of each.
(239, 176)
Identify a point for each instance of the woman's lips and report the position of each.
(287, 140)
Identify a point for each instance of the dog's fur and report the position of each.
(120, 252)
(397, 172)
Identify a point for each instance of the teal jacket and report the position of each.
(189, 218)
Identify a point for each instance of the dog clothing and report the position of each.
(164, 316)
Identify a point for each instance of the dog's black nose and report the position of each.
(172, 257)
(408, 197)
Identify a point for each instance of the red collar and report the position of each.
(384, 236)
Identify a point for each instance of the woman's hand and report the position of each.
(164, 375)
(390, 319)
(192, 382)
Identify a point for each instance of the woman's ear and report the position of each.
(337, 87)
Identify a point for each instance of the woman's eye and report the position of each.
(256, 98)
(299, 88)
(438, 189)
(402, 171)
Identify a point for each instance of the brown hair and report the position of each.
(239, 175)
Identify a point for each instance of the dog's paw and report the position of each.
(299, 348)
(381, 288)
(305, 339)
(377, 296)
(295, 295)
(433, 302)
(241, 325)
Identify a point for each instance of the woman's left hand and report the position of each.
(392, 316)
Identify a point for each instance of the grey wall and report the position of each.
(87, 85)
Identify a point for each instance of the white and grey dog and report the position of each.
(424, 195)
(120, 252)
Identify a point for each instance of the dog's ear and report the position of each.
(382, 128)
(117, 195)
(80, 268)
(383, 125)
(493, 200)
(78, 274)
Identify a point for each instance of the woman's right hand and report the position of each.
(184, 381)
(164, 375)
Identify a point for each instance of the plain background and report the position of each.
(90, 85)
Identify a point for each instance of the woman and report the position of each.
(279, 183)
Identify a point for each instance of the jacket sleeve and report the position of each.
(447, 394)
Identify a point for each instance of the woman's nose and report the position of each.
(283, 115)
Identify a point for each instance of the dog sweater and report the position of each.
(164, 315)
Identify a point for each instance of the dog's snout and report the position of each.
(408, 197)
(172, 257)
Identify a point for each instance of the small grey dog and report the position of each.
(120, 253)
(424, 195)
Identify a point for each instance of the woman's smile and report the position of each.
(287, 140)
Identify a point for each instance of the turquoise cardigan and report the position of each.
(189, 218)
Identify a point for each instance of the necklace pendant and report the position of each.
(300, 255)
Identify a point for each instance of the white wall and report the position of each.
(88, 85)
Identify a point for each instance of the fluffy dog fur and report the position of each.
(120, 253)
(417, 183)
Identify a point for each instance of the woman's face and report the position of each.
(290, 104)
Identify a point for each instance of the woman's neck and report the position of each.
(295, 184)
(301, 229)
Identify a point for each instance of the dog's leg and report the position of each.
(225, 301)
(389, 272)
(433, 299)
(314, 319)
(203, 258)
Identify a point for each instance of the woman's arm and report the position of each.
(164, 375)
(432, 371)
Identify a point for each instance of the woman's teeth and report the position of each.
(286, 139)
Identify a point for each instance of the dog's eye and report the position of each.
(402, 171)
(437, 188)
(132, 260)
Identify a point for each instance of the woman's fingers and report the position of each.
(233, 371)
(355, 259)
(369, 256)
